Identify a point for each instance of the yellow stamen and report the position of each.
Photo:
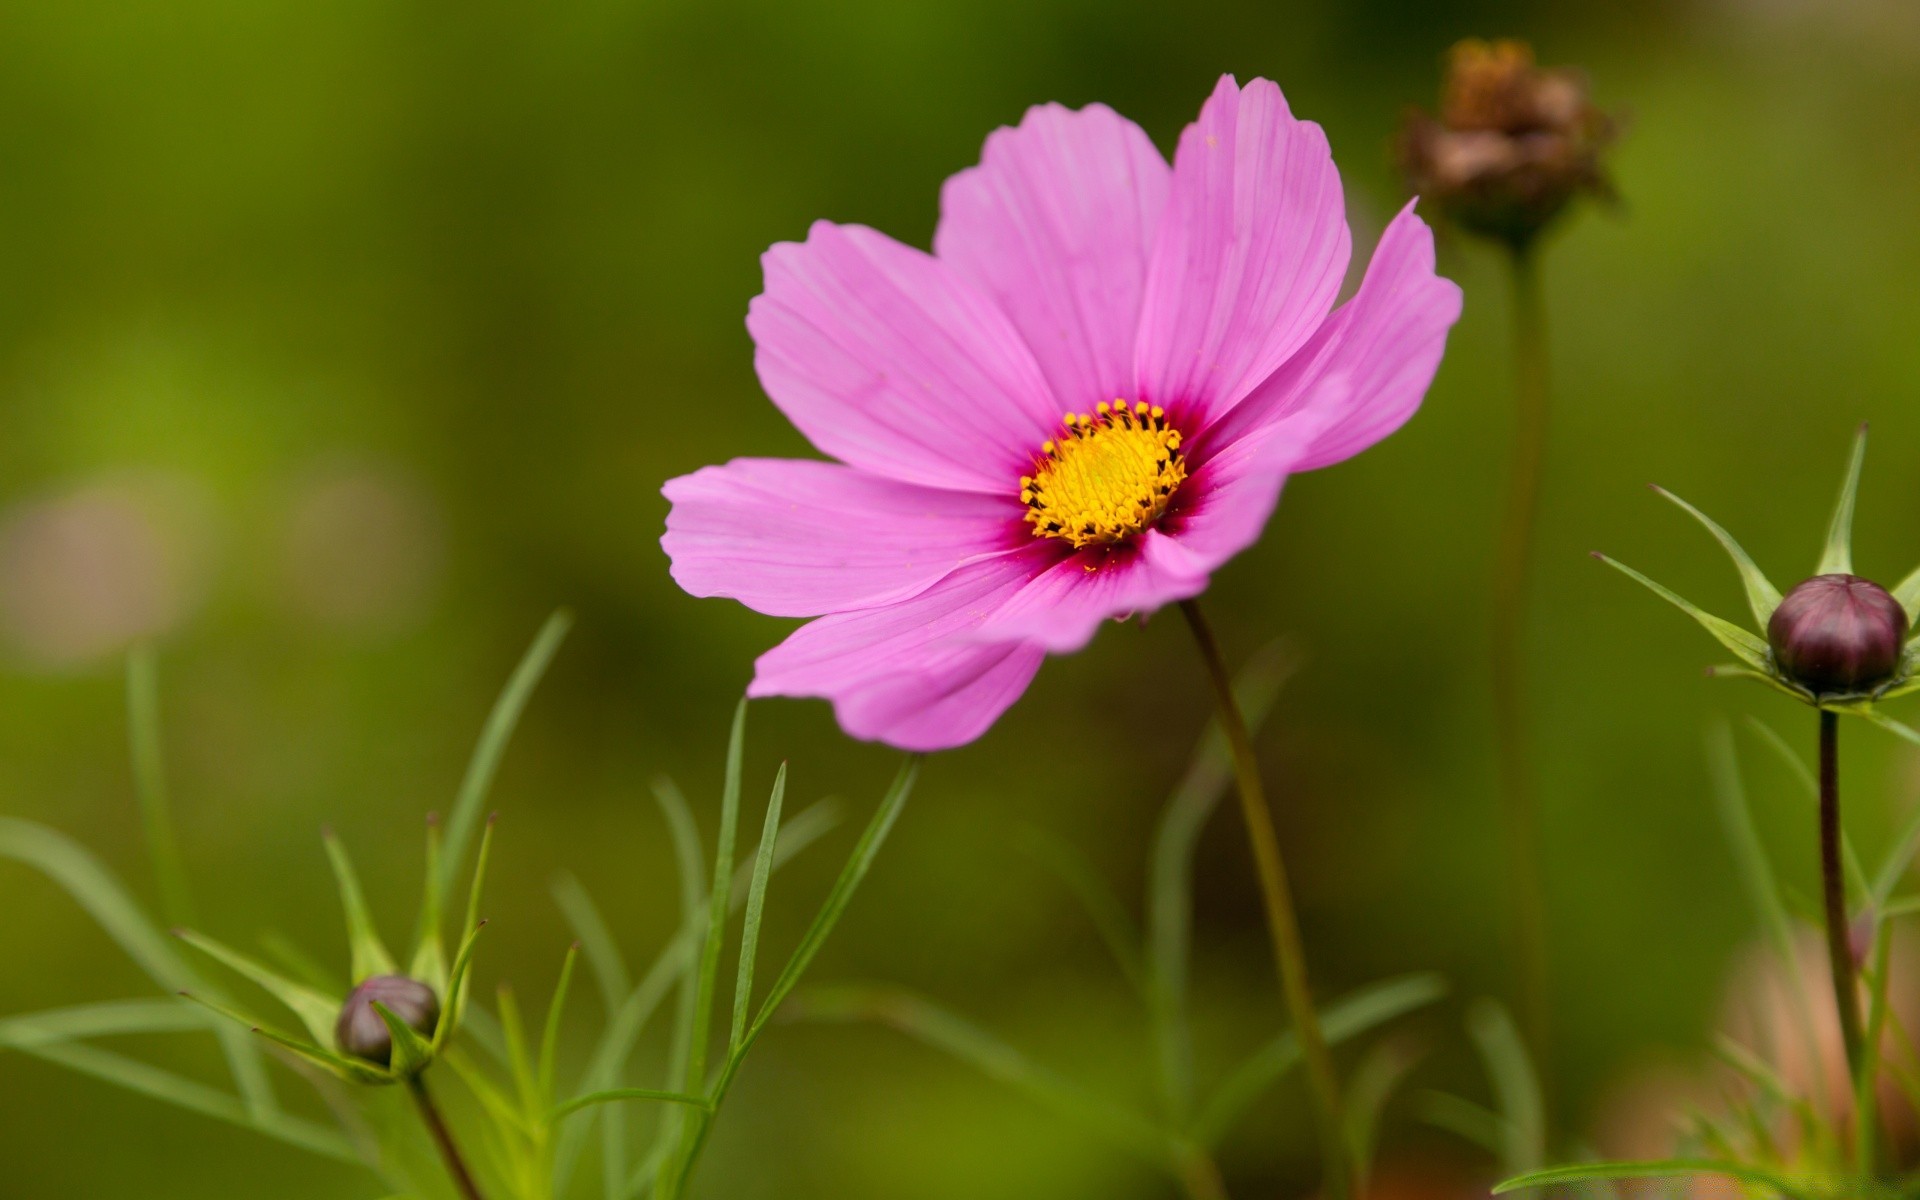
(1107, 477)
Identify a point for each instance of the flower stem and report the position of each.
(1284, 927)
(1520, 806)
(1846, 990)
(443, 1138)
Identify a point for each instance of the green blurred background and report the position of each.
(339, 344)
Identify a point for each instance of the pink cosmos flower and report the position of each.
(1078, 407)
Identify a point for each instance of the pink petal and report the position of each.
(1226, 503)
(1063, 607)
(1249, 256)
(1056, 224)
(910, 674)
(793, 538)
(887, 360)
(1368, 368)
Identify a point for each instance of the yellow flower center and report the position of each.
(1107, 477)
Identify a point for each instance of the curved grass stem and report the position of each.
(443, 1138)
(1282, 924)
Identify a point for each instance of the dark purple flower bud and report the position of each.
(362, 1034)
(1838, 634)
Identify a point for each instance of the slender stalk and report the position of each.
(1520, 806)
(1846, 989)
(1200, 1176)
(443, 1138)
(150, 784)
(1283, 926)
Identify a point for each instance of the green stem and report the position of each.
(1846, 988)
(1520, 805)
(1200, 1176)
(443, 1138)
(1284, 927)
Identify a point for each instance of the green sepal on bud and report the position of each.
(1836, 641)
(390, 1026)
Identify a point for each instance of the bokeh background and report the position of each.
(339, 344)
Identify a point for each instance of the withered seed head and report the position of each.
(1514, 142)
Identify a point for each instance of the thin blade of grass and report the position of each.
(562, 1111)
(1352, 1015)
(103, 1018)
(756, 907)
(1747, 646)
(519, 1061)
(159, 1084)
(1670, 1168)
(150, 784)
(1110, 919)
(496, 733)
(604, 960)
(550, 1038)
(1170, 874)
(369, 953)
(75, 871)
(429, 961)
(1515, 1084)
(1837, 557)
(717, 905)
(1371, 1086)
(1465, 1119)
(688, 855)
(316, 1011)
(456, 1013)
(1762, 596)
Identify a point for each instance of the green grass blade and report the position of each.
(195, 1097)
(318, 1055)
(1667, 1168)
(611, 1095)
(495, 735)
(1352, 1015)
(480, 861)
(519, 1061)
(1837, 557)
(685, 837)
(429, 961)
(837, 900)
(1515, 1085)
(454, 1012)
(100, 1019)
(717, 905)
(369, 953)
(1370, 1087)
(550, 1038)
(1747, 646)
(597, 943)
(756, 906)
(1762, 596)
(927, 1022)
(1110, 919)
(150, 784)
(75, 871)
(1170, 872)
(316, 1011)
(1466, 1120)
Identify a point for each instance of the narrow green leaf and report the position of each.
(685, 838)
(1904, 732)
(337, 1064)
(1514, 1083)
(550, 1039)
(519, 1061)
(454, 1011)
(1372, 1084)
(1762, 596)
(150, 784)
(1464, 1119)
(608, 965)
(1110, 920)
(429, 962)
(100, 1019)
(370, 956)
(498, 730)
(316, 1011)
(479, 883)
(1668, 1168)
(158, 1084)
(412, 1053)
(756, 906)
(1837, 557)
(921, 1019)
(74, 869)
(1352, 1015)
(1170, 870)
(1907, 592)
(716, 926)
(1750, 649)
(611, 1095)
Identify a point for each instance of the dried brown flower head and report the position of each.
(1514, 142)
